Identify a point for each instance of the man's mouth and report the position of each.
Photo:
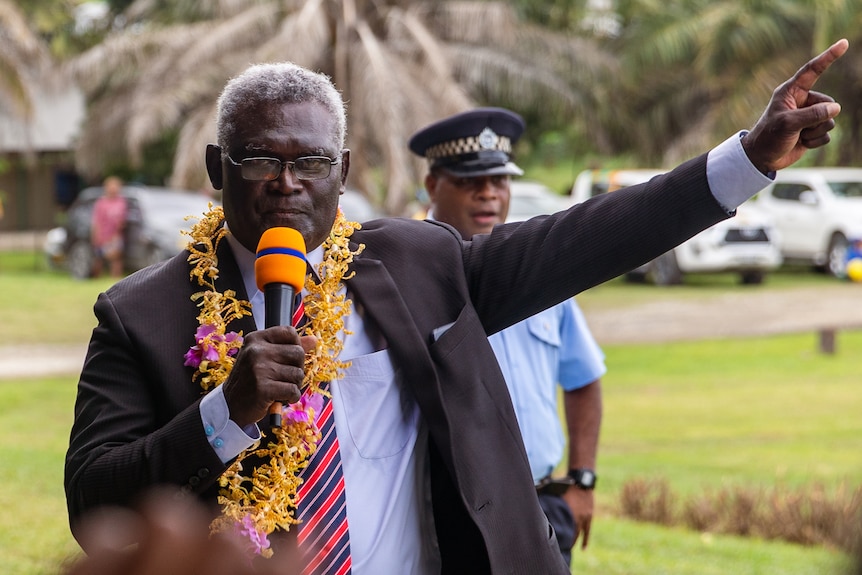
(486, 217)
(282, 211)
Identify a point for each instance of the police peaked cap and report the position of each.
(477, 142)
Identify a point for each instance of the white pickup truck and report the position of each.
(818, 212)
(746, 244)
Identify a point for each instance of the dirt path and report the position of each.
(737, 314)
(23, 361)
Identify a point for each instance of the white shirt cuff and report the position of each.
(732, 177)
(226, 437)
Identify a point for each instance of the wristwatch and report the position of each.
(583, 478)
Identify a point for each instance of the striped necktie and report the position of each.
(298, 318)
(322, 506)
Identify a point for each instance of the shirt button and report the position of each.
(209, 430)
(218, 443)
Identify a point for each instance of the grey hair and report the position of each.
(279, 83)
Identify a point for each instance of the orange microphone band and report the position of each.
(280, 258)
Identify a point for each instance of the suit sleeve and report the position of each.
(135, 427)
(522, 268)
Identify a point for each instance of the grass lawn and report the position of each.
(35, 418)
(620, 547)
(34, 536)
(43, 306)
(761, 411)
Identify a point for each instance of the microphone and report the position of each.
(279, 271)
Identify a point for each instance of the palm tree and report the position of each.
(23, 60)
(697, 70)
(400, 64)
(837, 19)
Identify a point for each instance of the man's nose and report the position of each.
(485, 188)
(287, 180)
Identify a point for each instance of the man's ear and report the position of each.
(214, 165)
(345, 167)
(431, 185)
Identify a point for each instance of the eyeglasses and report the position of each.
(267, 169)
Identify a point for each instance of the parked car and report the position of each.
(156, 217)
(818, 212)
(747, 244)
(528, 199)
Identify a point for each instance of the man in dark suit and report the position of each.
(435, 475)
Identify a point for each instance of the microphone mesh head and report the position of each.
(280, 259)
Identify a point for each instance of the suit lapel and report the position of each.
(230, 278)
(375, 289)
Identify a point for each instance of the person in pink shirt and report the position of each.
(106, 231)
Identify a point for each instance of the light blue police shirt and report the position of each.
(550, 348)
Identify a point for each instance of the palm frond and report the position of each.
(24, 61)
(304, 37)
(189, 165)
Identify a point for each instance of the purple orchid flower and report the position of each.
(258, 541)
(207, 342)
(299, 412)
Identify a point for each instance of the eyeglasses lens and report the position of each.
(260, 168)
(312, 168)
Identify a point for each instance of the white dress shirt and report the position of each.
(382, 442)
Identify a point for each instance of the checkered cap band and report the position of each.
(469, 145)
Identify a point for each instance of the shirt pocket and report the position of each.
(381, 415)
(546, 328)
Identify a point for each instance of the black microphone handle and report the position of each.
(278, 302)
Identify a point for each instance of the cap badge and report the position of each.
(488, 139)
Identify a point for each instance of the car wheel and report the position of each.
(79, 260)
(664, 271)
(836, 256)
(752, 277)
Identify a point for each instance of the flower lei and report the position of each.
(255, 506)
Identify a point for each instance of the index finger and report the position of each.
(278, 334)
(807, 75)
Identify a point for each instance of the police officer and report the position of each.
(469, 170)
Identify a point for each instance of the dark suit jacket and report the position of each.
(137, 422)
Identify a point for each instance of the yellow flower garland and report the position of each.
(259, 504)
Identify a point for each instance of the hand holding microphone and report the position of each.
(279, 272)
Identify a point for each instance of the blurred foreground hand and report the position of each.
(167, 536)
